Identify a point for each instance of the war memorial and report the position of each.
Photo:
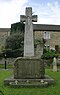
(29, 70)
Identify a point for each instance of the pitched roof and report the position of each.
(38, 27)
(46, 27)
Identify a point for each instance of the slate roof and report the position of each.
(46, 27)
(4, 29)
(39, 27)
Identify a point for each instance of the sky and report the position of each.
(48, 11)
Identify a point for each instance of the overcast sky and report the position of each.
(48, 11)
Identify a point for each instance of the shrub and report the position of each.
(17, 27)
(49, 55)
(1, 55)
(13, 53)
(14, 46)
(14, 41)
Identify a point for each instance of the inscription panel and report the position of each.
(28, 68)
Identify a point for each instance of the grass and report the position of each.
(8, 66)
(51, 90)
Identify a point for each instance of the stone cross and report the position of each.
(28, 37)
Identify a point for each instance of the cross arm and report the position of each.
(22, 18)
(34, 18)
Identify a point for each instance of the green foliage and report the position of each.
(49, 54)
(2, 47)
(14, 45)
(15, 41)
(17, 27)
(1, 55)
(59, 48)
(13, 53)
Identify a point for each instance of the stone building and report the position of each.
(54, 33)
(38, 33)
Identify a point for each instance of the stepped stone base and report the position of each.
(29, 72)
(42, 82)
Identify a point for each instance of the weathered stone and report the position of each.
(28, 68)
(31, 82)
(28, 37)
(54, 64)
(38, 51)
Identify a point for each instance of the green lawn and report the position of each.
(51, 90)
(8, 66)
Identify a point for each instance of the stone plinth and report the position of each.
(29, 72)
(29, 67)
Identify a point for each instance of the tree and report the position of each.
(14, 45)
(14, 41)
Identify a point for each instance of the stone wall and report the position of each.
(8, 61)
(3, 36)
(55, 37)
